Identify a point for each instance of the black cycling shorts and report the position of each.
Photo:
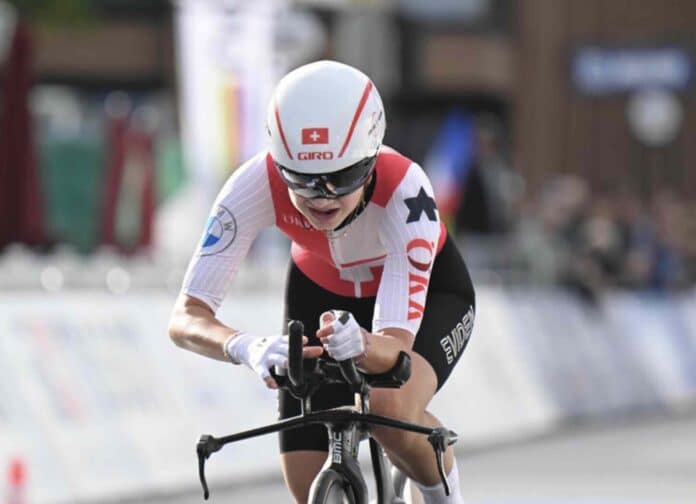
(444, 332)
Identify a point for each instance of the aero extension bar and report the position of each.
(305, 377)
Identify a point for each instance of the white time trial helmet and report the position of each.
(326, 124)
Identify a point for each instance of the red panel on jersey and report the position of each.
(315, 135)
(290, 221)
(443, 237)
(391, 169)
(328, 277)
(310, 249)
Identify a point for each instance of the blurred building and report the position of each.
(595, 89)
(566, 127)
(582, 66)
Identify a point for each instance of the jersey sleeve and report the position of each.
(410, 232)
(242, 209)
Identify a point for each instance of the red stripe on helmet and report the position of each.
(361, 105)
(280, 129)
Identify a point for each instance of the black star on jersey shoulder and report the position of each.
(418, 205)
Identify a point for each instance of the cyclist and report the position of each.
(372, 269)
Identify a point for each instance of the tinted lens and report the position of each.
(352, 177)
(330, 185)
(294, 178)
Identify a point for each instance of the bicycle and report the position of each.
(341, 479)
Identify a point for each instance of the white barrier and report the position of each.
(100, 403)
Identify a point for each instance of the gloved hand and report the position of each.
(259, 353)
(346, 338)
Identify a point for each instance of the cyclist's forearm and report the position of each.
(195, 329)
(382, 351)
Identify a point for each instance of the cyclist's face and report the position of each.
(327, 214)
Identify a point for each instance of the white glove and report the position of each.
(258, 353)
(347, 340)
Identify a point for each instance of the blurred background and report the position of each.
(559, 137)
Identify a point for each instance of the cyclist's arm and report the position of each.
(381, 348)
(384, 347)
(410, 232)
(193, 326)
(243, 207)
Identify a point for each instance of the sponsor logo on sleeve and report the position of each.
(419, 205)
(454, 343)
(220, 232)
(420, 255)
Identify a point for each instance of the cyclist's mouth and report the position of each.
(323, 215)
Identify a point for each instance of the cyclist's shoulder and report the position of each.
(396, 174)
(392, 161)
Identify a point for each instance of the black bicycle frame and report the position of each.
(343, 458)
(346, 425)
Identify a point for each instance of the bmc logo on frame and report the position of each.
(310, 156)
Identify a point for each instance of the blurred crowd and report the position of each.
(570, 233)
(591, 240)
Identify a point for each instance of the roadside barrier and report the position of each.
(101, 404)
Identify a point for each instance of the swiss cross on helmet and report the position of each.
(325, 118)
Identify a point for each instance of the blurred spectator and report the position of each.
(667, 267)
(592, 242)
(491, 188)
(601, 240)
(635, 235)
(553, 238)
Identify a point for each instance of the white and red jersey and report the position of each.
(387, 251)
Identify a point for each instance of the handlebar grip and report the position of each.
(295, 333)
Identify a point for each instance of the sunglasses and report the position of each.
(329, 185)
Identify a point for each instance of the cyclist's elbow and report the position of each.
(179, 325)
(176, 332)
(182, 323)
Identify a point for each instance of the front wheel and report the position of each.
(329, 487)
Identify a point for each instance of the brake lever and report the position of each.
(440, 439)
(207, 445)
